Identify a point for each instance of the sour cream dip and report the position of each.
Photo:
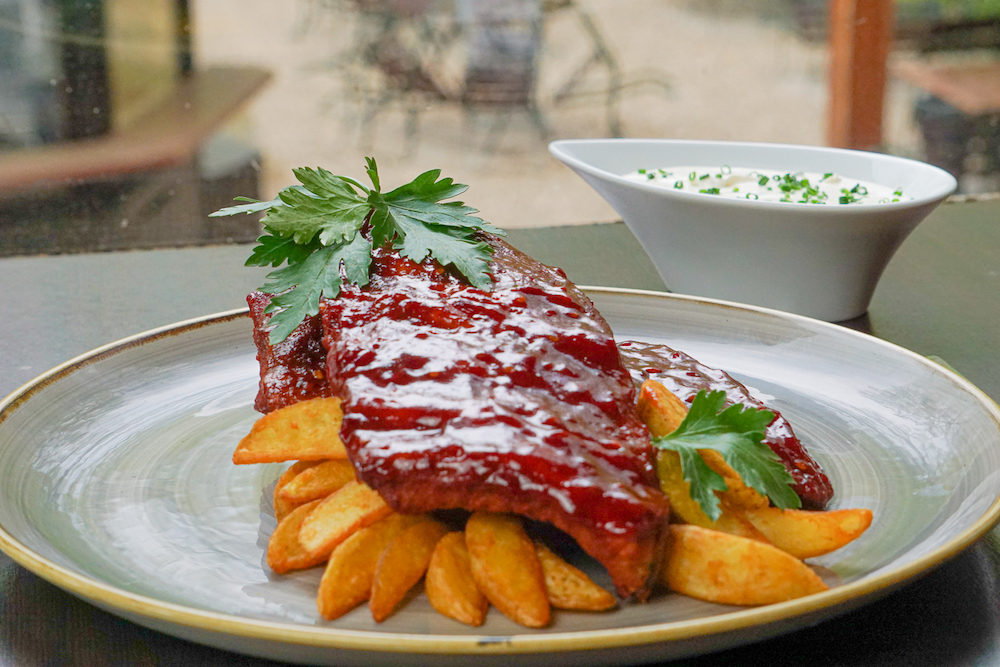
(769, 185)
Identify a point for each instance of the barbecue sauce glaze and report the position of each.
(514, 400)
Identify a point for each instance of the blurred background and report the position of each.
(123, 123)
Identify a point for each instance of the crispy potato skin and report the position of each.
(568, 587)
(305, 431)
(506, 568)
(806, 534)
(729, 569)
(339, 515)
(347, 579)
(450, 586)
(284, 550)
(282, 507)
(401, 565)
(318, 481)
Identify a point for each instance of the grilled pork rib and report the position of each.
(513, 400)
(292, 370)
(684, 377)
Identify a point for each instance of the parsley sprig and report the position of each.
(736, 432)
(325, 228)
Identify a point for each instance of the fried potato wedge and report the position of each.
(737, 494)
(686, 510)
(351, 508)
(318, 481)
(660, 410)
(678, 491)
(568, 587)
(304, 431)
(735, 523)
(284, 551)
(282, 507)
(449, 585)
(506, 568)
(347, 579)
(402, 564)
(805, 534)
(728, 569)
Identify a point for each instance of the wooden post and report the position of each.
(861, 34)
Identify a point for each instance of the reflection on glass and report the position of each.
(124, 122)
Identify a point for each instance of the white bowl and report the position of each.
(822, 261)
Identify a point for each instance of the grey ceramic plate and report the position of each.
(116, 484)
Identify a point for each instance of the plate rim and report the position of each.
(824, 604)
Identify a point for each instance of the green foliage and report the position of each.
(315, 229)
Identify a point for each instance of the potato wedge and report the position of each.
(449, 585)
(318, 481)
(347, 579)
(402, 564)
(732, 521)
(738, 495)
(569, 588)
(684, 508)
(506, 568)
(305, 431)
(805, 534)
(660, 410)
(352, 507)
(728, 569)
(284, 551)
(283, 508)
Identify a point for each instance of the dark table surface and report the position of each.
(940, 296)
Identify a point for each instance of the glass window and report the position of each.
(123, 123)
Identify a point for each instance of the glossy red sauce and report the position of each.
(513, 400)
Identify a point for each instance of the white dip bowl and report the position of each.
(819, 260)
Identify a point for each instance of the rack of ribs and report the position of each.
(513, 400)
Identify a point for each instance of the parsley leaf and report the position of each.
(419, 201)
(737, 433)
(325, 228)
(274, 250)
(447, 246)
(299, 286)
(334, 213)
